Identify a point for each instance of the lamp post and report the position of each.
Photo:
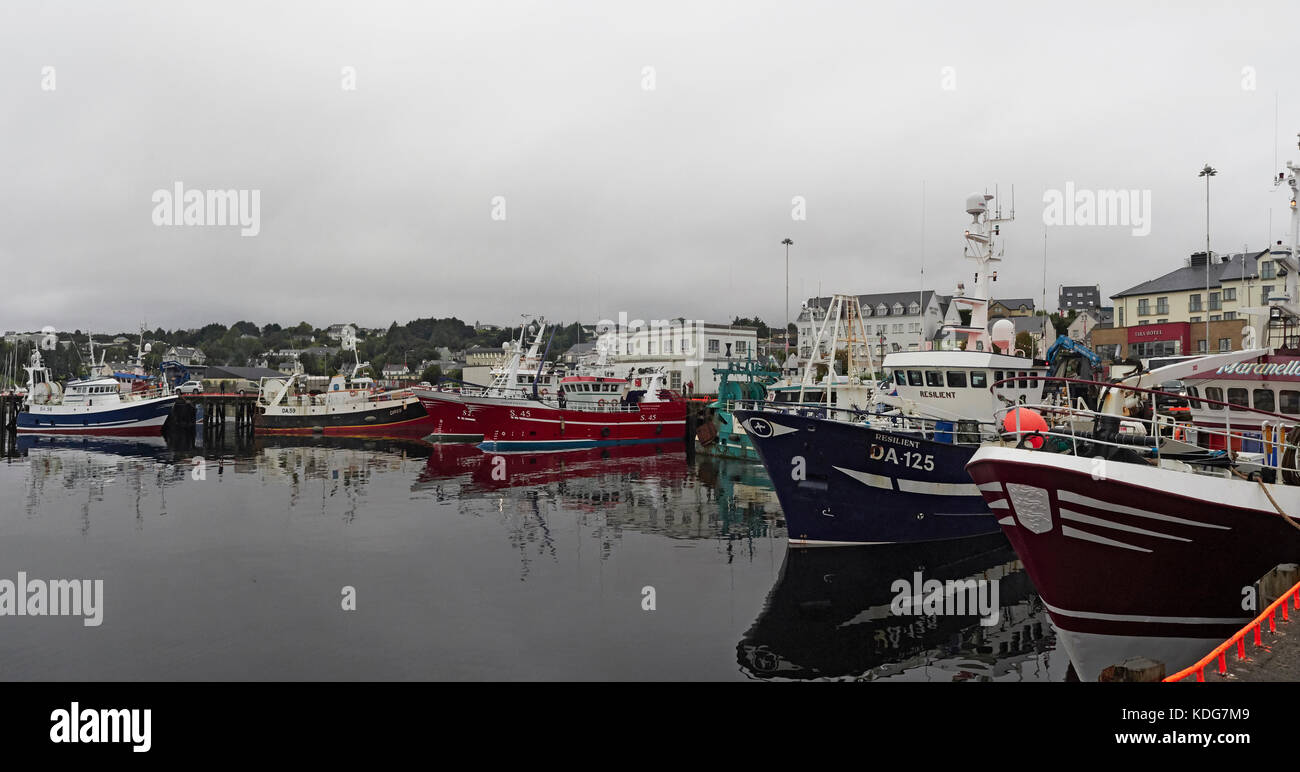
(787, 242)
(1207, 173)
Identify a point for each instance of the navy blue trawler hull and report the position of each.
(843, 484)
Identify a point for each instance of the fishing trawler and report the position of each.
(894, 471)
(1144, 544)
(523, 372)
(351, 404)
(639, 410)
(98, 404)
(526, 411)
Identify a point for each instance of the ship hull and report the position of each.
(403, 417)
(450, 419)
(522, 424)
(145, 417)
(1132, 560)
(844, 484)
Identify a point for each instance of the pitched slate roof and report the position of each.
(1191, 277)
(888, 298)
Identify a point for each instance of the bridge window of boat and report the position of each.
(1024, 384)
(914, 378)
(900, 378)
(1192, 394)
(1214, 393)
(1264, 400)
(1238, 398)
(956, 379)
(997, 376)
(1289, 402)
(979, 379)
(934, 379)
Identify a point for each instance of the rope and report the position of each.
(1285, 517)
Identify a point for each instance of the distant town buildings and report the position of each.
(894, 321)
(188, 357)
(1009, 307)
(1167, 315)
(1078, 297)
(337, 331)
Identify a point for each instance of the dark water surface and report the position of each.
(467, 566)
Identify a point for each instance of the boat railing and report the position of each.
(1261, 439)
(959, 430)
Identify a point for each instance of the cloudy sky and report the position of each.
(646, 155)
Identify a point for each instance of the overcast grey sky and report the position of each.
(376, 202)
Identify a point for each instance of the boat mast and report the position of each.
(981, 247)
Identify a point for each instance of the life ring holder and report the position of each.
(601, 402)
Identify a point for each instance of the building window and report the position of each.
(1215, 305)
(898, 309)
(740, 347)
(1266, 292)
(1121, 316)
(713, 345)
(1229, 293)
(1226, 345)
(1267, 269)
(914, 309)
(898, 328)
(1162, 305)
(1194, 303)
(1200, 346)
(1144, 307)
(1229, 315)
(1162, 321)
(881, 310)
(1195, 319)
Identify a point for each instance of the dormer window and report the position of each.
(866, 311)
(881, 310)
(914, 309)
(898, 308)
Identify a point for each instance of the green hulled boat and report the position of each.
(718, 433)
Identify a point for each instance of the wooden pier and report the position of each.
(218, 410)
(10, 404)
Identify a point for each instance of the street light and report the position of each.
(1207, 173)
(787, 242)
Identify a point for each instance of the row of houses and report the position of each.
(912, 321)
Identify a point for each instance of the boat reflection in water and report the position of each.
(830, 616)
(650, 488)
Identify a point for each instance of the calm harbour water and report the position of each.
(467, 566)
